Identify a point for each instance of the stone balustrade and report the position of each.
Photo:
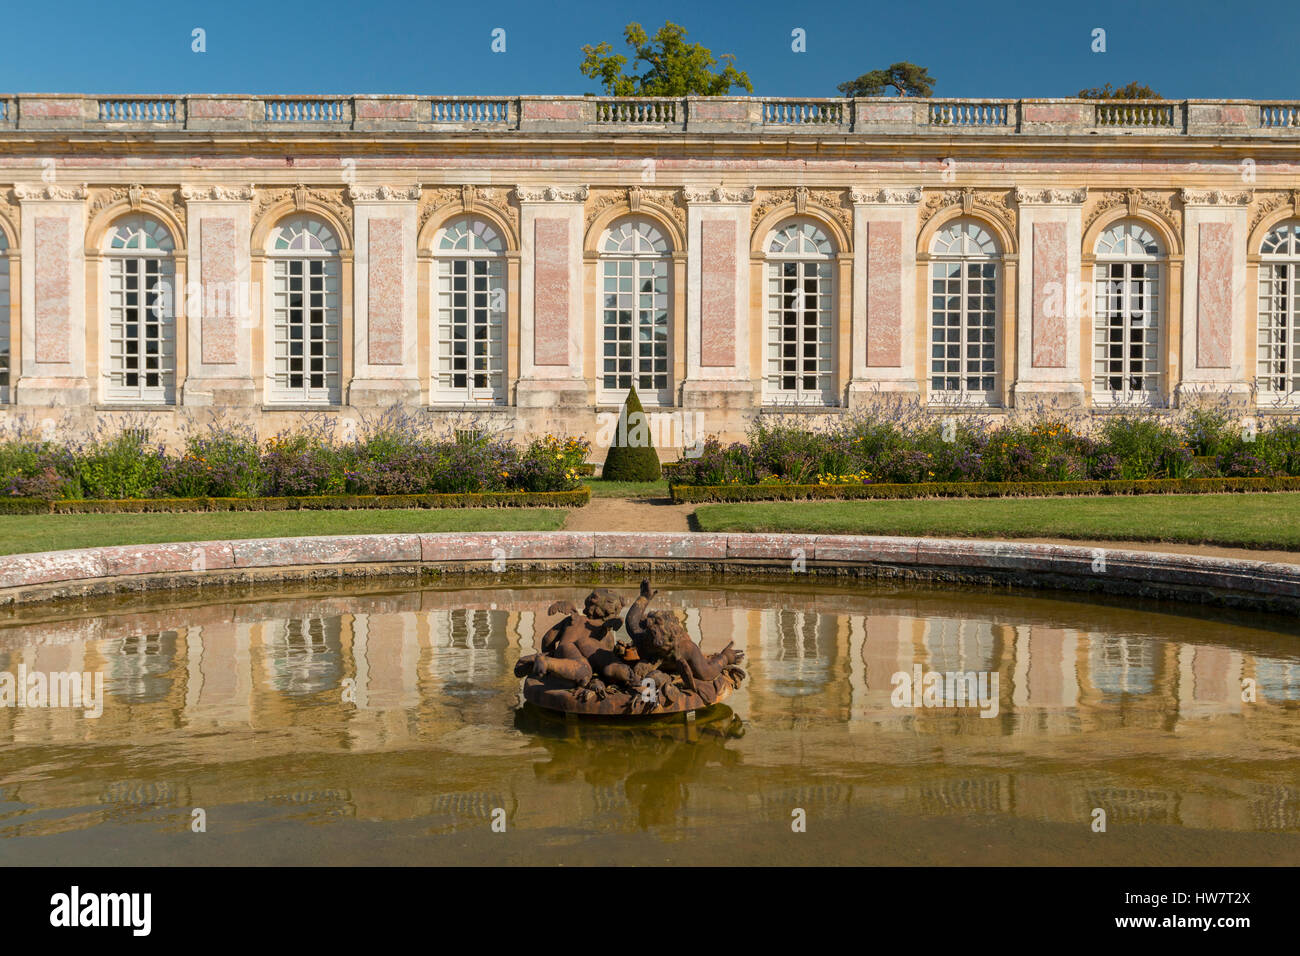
(692, 114)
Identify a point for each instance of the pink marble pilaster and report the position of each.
(1048, 329)
(1214, 296)
(385, 292)
(884, 294)
(217, 330)
(53, 290)
(718, 292)
(551, 292)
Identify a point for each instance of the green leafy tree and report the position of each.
(1130, 91)
(632, 455)
(906, 79)
(673, 67)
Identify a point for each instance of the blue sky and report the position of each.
(1194, 48)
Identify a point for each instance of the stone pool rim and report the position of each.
(34, 578)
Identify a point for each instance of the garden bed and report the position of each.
(491, 499)
(694, 494)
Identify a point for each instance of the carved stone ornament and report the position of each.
(718, 194)
(217, 193)
(135, 197)
(1270, 204)
(551, 193)
(1216, 197)
(886, 196)
(1050, 196)
(831, 201)
(637, 199)
(331, 199)
(970, 199)
(467, 197)
(26, 192)
(1134, 201)
(384, 193)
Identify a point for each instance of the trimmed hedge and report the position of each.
(624, 462)
(490, 499)
(689, 494)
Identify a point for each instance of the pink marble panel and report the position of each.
(884, 294)
(1214, 296)
(1048, 331)
(221, 294)
(552, 110)
(387, 109)
(51, 109)
(1057, 113)
(53, 290)
(386, 292)
(217, 109)
(900, 112)
(551, 291)
(704, 110)
(718, 292)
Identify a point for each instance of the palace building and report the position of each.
(527, 260)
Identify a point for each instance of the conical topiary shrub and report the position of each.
(632, 455)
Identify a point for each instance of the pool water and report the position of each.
(371, 726)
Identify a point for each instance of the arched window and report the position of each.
(1278, 368)
(1126, 315)
(634, 325)
(141, 329)
(964, 314)
(470, 314)
(4, 319)
(305, 297)
(800, 365)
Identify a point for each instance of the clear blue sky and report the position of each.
(1195, 48)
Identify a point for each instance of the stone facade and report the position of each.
(519, 261)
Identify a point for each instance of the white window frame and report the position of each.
(967, 246)
(793, 249)
(634, 250)
(140, 251)
(1138, 242)
(474, 248)
(317, 256)
(1277, 346)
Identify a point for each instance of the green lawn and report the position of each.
(627, 489)
(1239, 520)
(23, 533)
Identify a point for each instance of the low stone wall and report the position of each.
(33, 578)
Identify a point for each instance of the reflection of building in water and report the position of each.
(139, 665)
(967, 795)
(1122, 664)
(304, 655)
(961, 645)
(1277, 679)
(800, 655)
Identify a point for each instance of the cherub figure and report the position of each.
(661, 640)
(582, 647)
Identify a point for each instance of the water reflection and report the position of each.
(402, 709)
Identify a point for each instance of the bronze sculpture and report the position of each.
(583, 668)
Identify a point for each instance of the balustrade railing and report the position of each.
(969, 113)
(655, 111)
(137, 110)
(308, 111)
